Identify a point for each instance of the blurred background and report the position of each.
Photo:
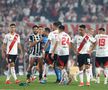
(52, 10)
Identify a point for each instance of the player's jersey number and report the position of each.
(101, 42)
(65, 41)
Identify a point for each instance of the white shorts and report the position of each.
(34, 56)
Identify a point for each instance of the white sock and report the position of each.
(98, 75)
(91, 73)
(97, 72)
(34, 71)
(45, 71)
(106, 72)
(13, 73)
(62, 75)
(106, 75)
(81, 76)
(105, 80)
(8, 74)
(65, 75)
(88, 75)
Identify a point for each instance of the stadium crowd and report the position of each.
(52, 10)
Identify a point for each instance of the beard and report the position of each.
(81, 34)
(35, 33)
(11, 31)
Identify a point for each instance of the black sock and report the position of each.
(40, 75)
(28, 74)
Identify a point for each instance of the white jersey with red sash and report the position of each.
(83, 43)
(12, 43)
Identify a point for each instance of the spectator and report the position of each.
(51, 10)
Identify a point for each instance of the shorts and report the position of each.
(33, 58)
(101, 61)
(63, 60)
(11, 58)
(52, 60)
(83, 59)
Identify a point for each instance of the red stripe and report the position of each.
(61, 62)
(12, 43)
(83, 42)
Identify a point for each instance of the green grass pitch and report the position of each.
(50, 85)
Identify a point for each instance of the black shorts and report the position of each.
(101, 61)
(83, 59)
(63, 60)
(11, 58)
(52, 60)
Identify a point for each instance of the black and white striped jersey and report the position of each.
(37, 49)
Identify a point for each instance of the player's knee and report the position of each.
(12, 64)
(61, 67)
(87, 66)
(37, 68)
(31, 61)
(106, 66)
(81, 68)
